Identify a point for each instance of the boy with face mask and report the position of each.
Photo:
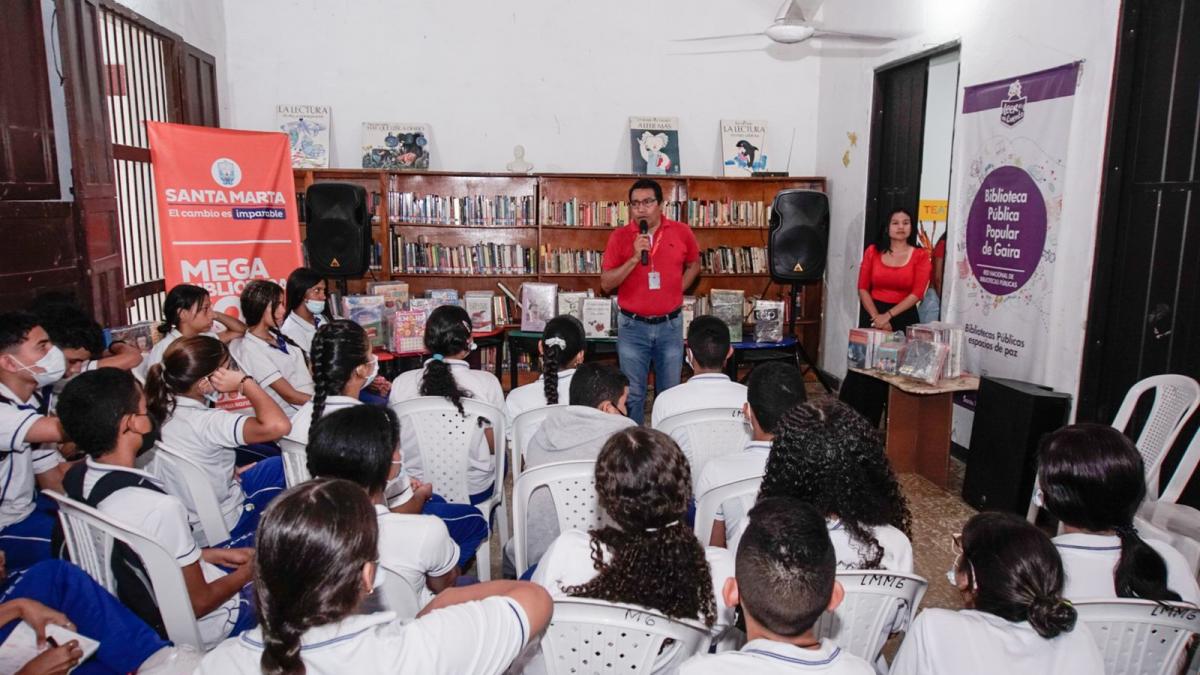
(29, 364)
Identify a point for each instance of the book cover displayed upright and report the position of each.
(395, 146)
(538, 304)
(743, 146)
(479, 306)
(367, 311)
(307, 127)
(654, 145)
(597, 317)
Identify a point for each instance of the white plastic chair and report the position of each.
(708, 503)
(868, 614)
(593, 636)
(199, 492)
(707, 433)
(398, 595)
(295, 461)
(572, 486)
(1177, 524)
(445, 440)
(90, 536)
(524, 426)
(1139, 637)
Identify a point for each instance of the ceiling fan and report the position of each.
(790, 27)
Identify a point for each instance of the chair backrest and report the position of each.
(707, 433)
(1139, 636)
(594, 636)
(90, 535)
(877, 603)
(572, 486)
(524, 426)
(1175, 399)
(295, 461)
(708, 503)
(200, 492)
(398, 595)
(446, 439)
(1183, 471)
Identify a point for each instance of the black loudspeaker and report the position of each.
(799, 236)
(1011, 418)
(339, 229)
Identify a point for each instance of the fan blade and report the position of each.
(790, 12)
(717, 51)
(852, 36)
(718, 37)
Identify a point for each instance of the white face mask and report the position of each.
(53, 365)
(371, 375)
(315, 306)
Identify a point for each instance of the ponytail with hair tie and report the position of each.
(562, 341)
(1051, 615)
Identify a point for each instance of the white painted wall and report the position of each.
(998, 39)
(941, 107)
(561, 78)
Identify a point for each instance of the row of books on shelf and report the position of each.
(728, 213)
(425, 257)
(396, 321)
(928, 352)
(409, 207)
(579, 213)
(570, 261)
(734, 260)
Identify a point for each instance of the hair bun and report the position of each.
(1051, 616)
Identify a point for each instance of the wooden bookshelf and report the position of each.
(537, 194)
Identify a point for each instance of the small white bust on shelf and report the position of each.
(519, 165)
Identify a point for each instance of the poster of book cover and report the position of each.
(307, 127)
(538, 304)
(597, 317)
(743, 146)
(394, 146)
(654, 145)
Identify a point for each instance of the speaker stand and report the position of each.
(801, 353)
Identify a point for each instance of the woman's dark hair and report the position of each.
(828, 455)
(644, 483)
(180, 298)
(338, 348)
(883, 241)
(1092, 478)
(312, 544)
(355, 443)
(554, 356)
(298, 284)
(92, 405)
(447, 332)
(185, 362)
(1015, 572)
(259, 297)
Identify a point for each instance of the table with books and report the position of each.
(490, 339)
(526, 342)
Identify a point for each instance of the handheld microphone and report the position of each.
(644, 227)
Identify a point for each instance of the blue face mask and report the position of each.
(315, 306)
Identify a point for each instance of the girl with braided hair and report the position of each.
(562, 351)
(1091, 477)
(826, 454)
(447, 374)
(274, 359)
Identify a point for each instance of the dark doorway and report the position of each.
(897, 130)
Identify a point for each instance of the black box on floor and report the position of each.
(1011, 417)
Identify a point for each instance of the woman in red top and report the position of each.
(894, 276)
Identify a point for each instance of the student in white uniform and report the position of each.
(562, 350)
(278, 364)
(1016, 621)
(305, 306)
(648, 555)
(318, 554)
(28, 363)
(180, 391)
(188, 312)
(342, 366)
(106, 414)
(1091, 478)
(81, 340)
(707, 351)
(786, 578)
(827, 455)
(361, 444)
(448, 338)
(775, 387)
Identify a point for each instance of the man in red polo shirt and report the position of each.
(649, 327)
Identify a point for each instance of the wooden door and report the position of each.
(897, 135)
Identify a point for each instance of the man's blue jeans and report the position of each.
(640, 344)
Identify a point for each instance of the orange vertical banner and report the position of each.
(226, 208)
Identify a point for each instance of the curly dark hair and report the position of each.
(643, 482)
(828, 455)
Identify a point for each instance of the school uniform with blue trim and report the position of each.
(26, 517)
(1089, 561)
(767, 657)
(300, 331)
(481, 637)
(725, 469)
(160, 348)
(270, 361)
(706, 390)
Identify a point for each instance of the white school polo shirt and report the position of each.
(302, 419)
(767, 657)
(268, 363)
(482, 386)
(208, 436)
(750, 463)
(164, 519)
(533, 396)
(480, 638)
(945, 642)
(19, 461)
(897, 549)
(160, 348)
(707, 390)
(1089, 561)
(414, 547)
(300, 331)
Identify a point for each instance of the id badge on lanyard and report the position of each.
(654, 279)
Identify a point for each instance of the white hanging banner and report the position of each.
(1006, 223)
